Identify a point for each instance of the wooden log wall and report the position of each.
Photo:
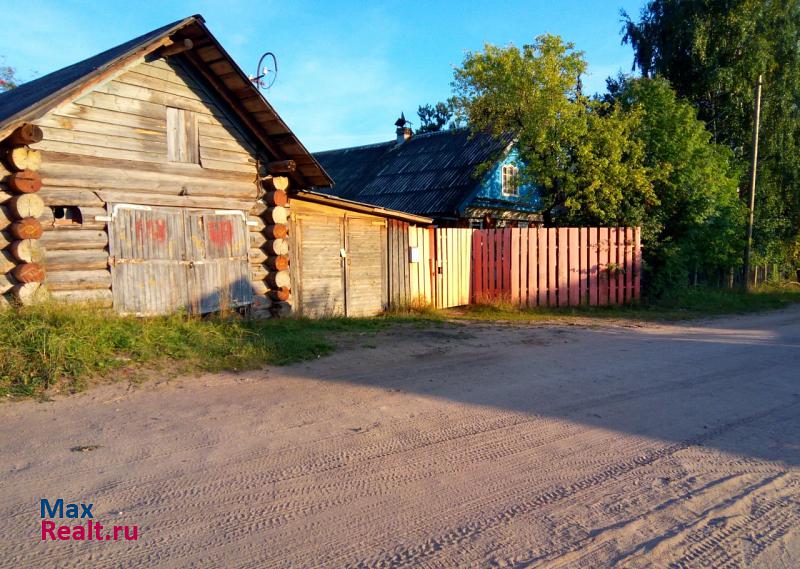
(269, 248)
(21, 252)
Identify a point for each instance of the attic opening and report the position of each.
(66, 215)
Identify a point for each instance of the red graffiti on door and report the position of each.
(151, 229)
(220, 232)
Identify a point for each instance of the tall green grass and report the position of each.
(57, 345)
(67, 346)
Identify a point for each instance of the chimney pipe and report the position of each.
(403, 134)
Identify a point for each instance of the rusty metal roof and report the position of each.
(335, 201)
(430, 174)
(32, 100)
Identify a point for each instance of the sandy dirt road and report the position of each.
(465, 446)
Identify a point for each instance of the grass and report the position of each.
(56, 346)
(53, 345)
(683, 305)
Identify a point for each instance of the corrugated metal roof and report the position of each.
(430, 174)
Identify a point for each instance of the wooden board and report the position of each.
(149, 274)
(165, 258)
(320, 290)
(419, 271)
(453, 266)
(365, 270)
(399, 266)
(217, 245)
(556, 267)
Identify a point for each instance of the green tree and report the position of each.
(433, 118)
(575, 150)
(638, 156)
(698, 224)
(711, 51)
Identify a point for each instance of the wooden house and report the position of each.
(457, 177)
(150, 177)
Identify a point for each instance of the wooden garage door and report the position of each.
(147, 252)
(219, 273)
(319, 239)
(366, 265)
(166, 259)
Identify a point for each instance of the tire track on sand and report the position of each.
(416, 554)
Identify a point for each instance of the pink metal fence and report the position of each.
(567, 266)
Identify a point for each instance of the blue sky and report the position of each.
(346, 69)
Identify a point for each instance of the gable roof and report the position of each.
(32, 100)
(430, 174)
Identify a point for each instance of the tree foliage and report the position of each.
(712, 51)
(433, 118)
(640, 156)
(8, 79)
(698, 223)
(574, 149)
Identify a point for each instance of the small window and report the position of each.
(509, 180)
(183, 144)
(66, 215)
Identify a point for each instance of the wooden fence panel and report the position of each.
(542, 267)
(491, 264)
(574, 266)
(477, 265)
(622, 268)
(420, 271)
(541, 249)
(523, 267)
(552, 274)
(584, 264)
(513, 262)
(399, 277)
(637, 264)
(612, 265)
(628, 264)
(602, 267)
(532, 268)
(466, 269)
(452, 275)
(592, 265)
(562, 243)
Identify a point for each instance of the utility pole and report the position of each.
(753, 172)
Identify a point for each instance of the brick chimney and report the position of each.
(403, 132)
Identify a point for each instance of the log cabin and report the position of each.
(149, 178)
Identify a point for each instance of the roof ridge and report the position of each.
(359, 147)
(392, 142)
(438, 132)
